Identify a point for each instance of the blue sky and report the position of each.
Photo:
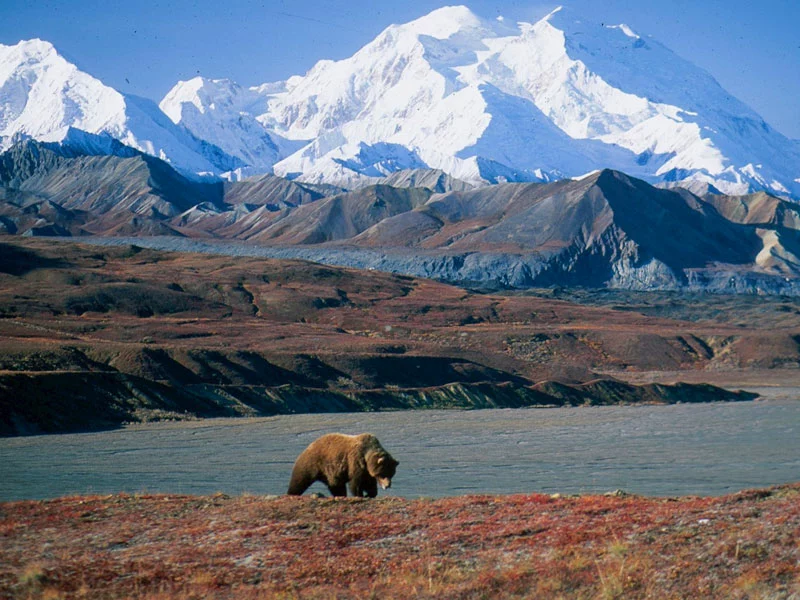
(145, 47)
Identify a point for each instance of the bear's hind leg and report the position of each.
(299, 484)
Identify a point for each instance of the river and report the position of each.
(687, 449)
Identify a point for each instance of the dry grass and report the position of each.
(521, 546)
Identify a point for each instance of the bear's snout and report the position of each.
(384, 482)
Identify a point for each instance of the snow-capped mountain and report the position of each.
(45, 97)
(225, 112)
(483, 101)
(486, 101)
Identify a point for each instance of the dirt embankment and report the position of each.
(522, 546)
(52, 402)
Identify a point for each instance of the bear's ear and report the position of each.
(381, 460)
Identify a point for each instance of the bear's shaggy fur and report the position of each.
(337, 459)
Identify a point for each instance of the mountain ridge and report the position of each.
(607, 229)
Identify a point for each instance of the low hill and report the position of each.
(96, 336)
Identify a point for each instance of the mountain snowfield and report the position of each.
(45, 97)
(223, 111)
(484, 101)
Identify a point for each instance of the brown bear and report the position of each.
(337, 459)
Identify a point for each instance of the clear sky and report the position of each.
(145, 47)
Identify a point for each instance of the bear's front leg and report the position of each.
(355, 488)
(364, 487)
(338, 489)
(371, 487)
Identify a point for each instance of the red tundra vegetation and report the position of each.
(746, 545)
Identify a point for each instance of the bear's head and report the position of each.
(382, 467)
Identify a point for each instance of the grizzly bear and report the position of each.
(337, 459)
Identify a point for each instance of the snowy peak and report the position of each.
(484, 101)
(201, 93)
(557, 97)
(450, 87)
(205, 95)
(224, 113)
(34, 49)
(444, 22)
(692, 129)
(45, 97)
(42, 94)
